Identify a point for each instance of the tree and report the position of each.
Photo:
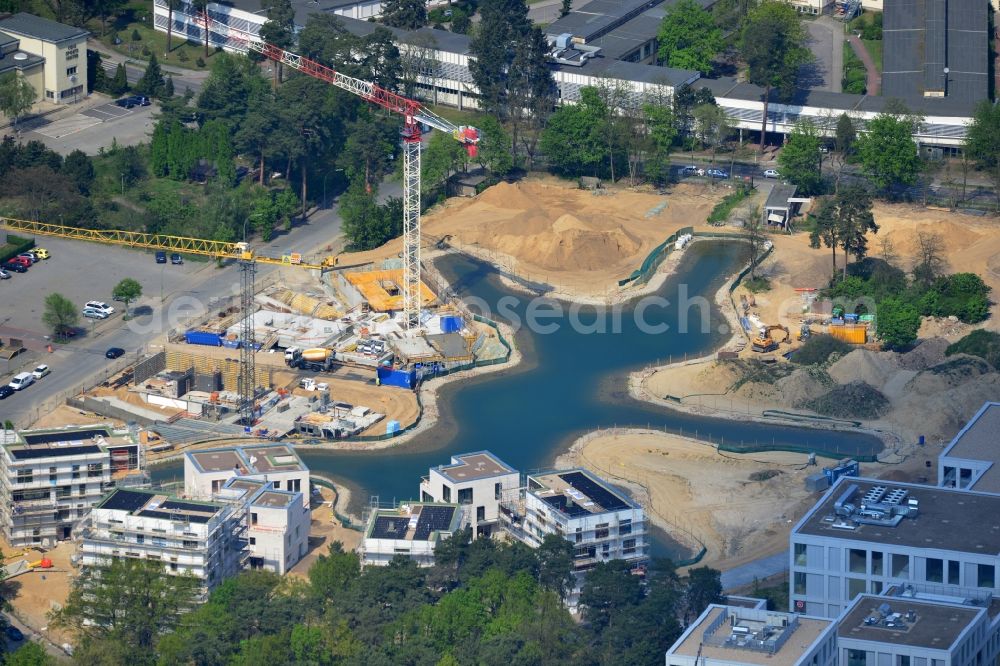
(897, 322)
(565, 7)
(102, 9)
(982, 142)
(129, 165)
(405, 14)
(127, 290)
(800, 158)
(29, 654)
(126, 605)
(371, 146)
(79, 168)
(172, 5)
(60, 314)
(845, 135)
(688, 37)
(494, 147)
(443, 155)
(16, 96)
(232, 90)
(573, 139)
(152, 82)
(201, 7)
(888, 153)
(704, 587)
(279, 29)
(119, 84)
(366, 225)
(555, 565)
(854, 216)
(685, 100)
(661, 131)
(97, 78)
(773, 45)
(826, 229)
(755, 234)
(256, 132)
(168, 88)
(930, 264)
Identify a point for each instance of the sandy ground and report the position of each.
(326, 529)
(547, 230)
(32, 595)
(702, 496)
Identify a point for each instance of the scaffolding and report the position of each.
(383, 290)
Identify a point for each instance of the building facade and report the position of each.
(208, 470)
(50, 479)
(476, 480)
(412, 530)
(63, 49)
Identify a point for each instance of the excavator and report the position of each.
(765, 343)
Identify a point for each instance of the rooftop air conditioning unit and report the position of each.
(563, 41)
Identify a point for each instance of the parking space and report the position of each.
(97, 127)
(107, 112)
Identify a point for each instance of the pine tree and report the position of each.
(151, 83)
(119, 84)
(168, 87)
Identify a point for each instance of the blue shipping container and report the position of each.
(195, 337)
(391, 377)
(451, 323)
(231, 344)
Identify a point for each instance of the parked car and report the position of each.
(100, 305)
(717, 173)
(692, 170)
(125, 102)
(30, 256)
(15, 267)
(24, 261)
(4, 275)
(114, 352)
(161, 257)
(22, 380)
(771, 173)
(91, 313)
(41, 371)
(14, 634)
(176, 259)
(6, 391)
(41, 253)
(140, 100)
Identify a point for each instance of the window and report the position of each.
(425, 496)
(295, 485)
(935, 570)
(49, 94)
(800, 555)
(253, 518)
(855, 586)
(25, 476)
(465, 496)
(953, 572)
(986, 577)
(876, 587)
(857, 561)
(900, 566)
(139, 538)
(579, 535)
(601, 531)
(446, 493)
(53, 478)
(625, 527)
(480, 513)
(496, 490)
(628, 546)
(799, 585)
(81, 489)
(878, 568)
(277, 485)
(903, 660)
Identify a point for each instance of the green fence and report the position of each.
(655, 258)
(15, 246)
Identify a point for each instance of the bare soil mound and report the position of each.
(851, 401)
(572, 242)
(927, 353)
(508, 195)
(873, 368)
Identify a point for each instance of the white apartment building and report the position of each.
(207, 471)
(477, 480)
(735, 636)
(865, 535)
(410, 530)
(204, 539)
(601, 522)
(972, 459)
(50, 479)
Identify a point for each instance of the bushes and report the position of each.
(818, 349)
(722, 209)
(963, 295)
(981, 343)
(897, 322)
(855, 75)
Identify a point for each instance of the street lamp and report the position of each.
(123, 183)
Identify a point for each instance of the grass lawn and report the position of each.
(874, 47)
(137, 17)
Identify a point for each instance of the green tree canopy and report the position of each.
(573, 140)
(688, 37)
(982, 142)
(127, 290)
(800, 158)
(405, 14)
(16, 96)
(888, 152)
(152, 82)
(897, 322)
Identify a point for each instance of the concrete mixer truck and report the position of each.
(317, 359)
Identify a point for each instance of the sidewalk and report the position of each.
(759, 569)
(874, 79)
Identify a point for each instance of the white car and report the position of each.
(22, 381)
(40, 371)
(98, 305)
(91, 313)
(771, 173)
(692, 170)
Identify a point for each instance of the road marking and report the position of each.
(67, 126)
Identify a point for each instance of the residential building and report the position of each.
(972, 459)
(204, 539)
(411, 530)
(50, 478)
(736, 636)
(865, 535)
(277, 522)
(477, 480)
(906, 631)
(936, 49)
(208, 470)
(61, 48)
(600, 521)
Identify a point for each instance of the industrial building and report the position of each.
(51, 56)
(204, 539)
(207, 471)
(411, 530)
(448, 80)
(866, 535)
(972, 459)
(601, 522)
(50, 478)
(477, 480)
(937, 49)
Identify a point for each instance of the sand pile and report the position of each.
(873, 368)
(570, 241)
(508, 195)
(927, 353)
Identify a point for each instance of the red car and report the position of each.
(24, 261)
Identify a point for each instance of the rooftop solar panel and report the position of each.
(54, 452)
(593, 490)
(75, 435)
(390, 527)
(125, 500)
(433, 519)
(186, 506)
(179, 517)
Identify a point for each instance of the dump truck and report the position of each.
(316, 359)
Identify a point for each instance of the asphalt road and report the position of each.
(547, 11)
(183, 79)
(85, 271)
(94, 128)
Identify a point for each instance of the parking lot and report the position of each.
(94, 128)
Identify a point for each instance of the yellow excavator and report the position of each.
(765, 343)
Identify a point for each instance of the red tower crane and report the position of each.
(414, 114)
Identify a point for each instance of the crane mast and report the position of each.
(414, 114)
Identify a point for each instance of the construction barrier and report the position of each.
(655, 258)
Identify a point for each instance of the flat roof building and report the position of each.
(62, 49)
(208, 470)
(411, 530)
(735, 636)
(972, 459)
(477, 480)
